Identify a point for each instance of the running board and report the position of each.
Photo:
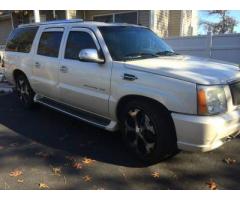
(76, 113)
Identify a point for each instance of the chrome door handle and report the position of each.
(37, 65)
(129, 77)
(63, 69)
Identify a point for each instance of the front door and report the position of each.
(85, 85)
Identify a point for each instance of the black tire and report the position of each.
(155, 137)
(24, 91)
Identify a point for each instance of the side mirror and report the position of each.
(90, 55)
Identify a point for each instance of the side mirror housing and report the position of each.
(90, 55)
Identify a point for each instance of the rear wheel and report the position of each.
(24, 91)
(148, 131)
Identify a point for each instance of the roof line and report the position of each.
(51, 22)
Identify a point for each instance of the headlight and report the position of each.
(211, 100)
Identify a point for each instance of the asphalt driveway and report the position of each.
(44, 149)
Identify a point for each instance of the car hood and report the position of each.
(189, 68)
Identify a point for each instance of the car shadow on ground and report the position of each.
(28, 136)
(61, 132)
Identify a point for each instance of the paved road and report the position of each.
(44, 146)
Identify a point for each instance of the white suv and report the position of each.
(120, 76)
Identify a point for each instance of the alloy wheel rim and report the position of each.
(140, 132)
(23, 91)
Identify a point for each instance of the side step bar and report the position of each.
(76, 113)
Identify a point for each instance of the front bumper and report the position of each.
(205, 133)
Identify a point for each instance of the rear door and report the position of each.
(46, 62)
(85, 85)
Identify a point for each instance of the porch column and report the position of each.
(70, 14)
(36, 15)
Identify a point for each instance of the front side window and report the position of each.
(21, 39)
(49, 43)
(78, 40)
(128, 42)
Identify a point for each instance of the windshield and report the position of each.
(128, 42)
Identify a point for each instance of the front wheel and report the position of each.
(24, 91)
(148, 131)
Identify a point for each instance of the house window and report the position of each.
(126, 17)
(130, 17)
(103, 18)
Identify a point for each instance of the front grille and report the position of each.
(235, 91)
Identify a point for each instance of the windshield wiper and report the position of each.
(138, 55)
(166, 53)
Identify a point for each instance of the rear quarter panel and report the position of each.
(17, 60)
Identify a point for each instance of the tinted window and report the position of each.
(76, 42)
(49, 43)
(128, 42)
(21, 39)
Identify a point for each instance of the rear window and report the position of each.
(49, 43)
(21, 39)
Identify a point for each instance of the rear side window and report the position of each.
(78, 40)
(49, 43)
(21, 39)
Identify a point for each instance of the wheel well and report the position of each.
(128, 98)
(158, 105)
(16, 73)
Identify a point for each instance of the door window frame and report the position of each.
(50, 29)
(80, 29)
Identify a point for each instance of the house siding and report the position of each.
(160, 24)
(174, 24)
(143, 15)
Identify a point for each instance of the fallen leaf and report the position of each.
(16, 173)
(123, 172)
(88, 161)
(56, 171)
(212, 185)
(77, 165)
(156, 175)
(20, 180)
(43, 186)
(87, 178)
(229, 161)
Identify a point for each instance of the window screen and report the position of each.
(78, 40)
(49, 43)
(21, 39)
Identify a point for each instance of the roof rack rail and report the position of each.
(52, 22)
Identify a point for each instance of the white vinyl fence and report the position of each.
(223, 47)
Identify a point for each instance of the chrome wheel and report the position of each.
(140, 132)
(23, 90)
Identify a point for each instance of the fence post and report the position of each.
(209, 43)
